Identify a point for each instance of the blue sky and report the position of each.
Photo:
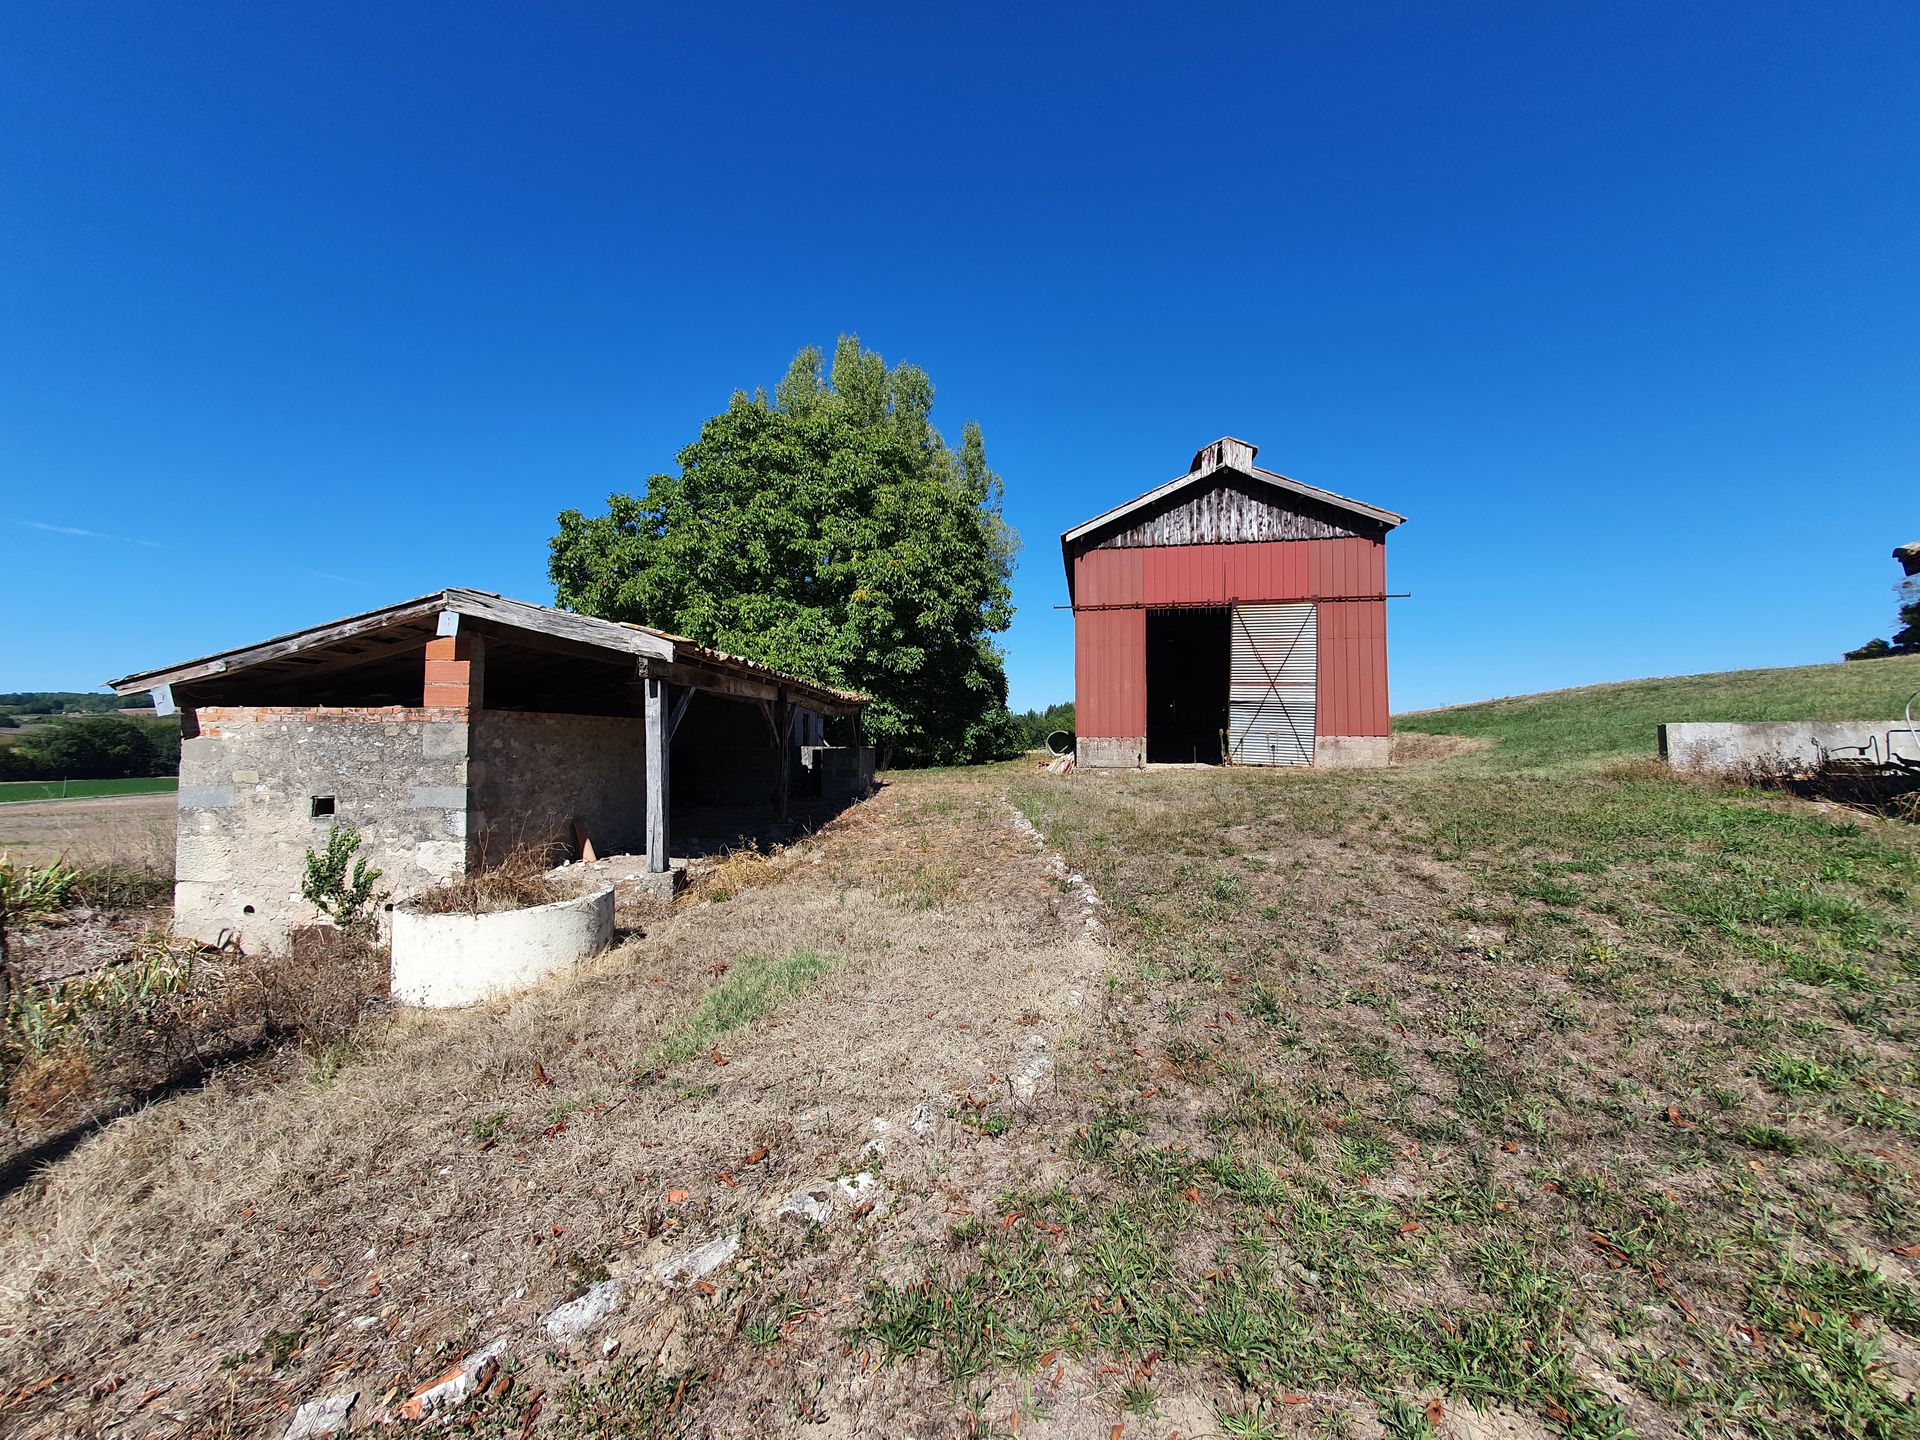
(308, 309)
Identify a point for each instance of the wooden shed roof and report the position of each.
(395, 628)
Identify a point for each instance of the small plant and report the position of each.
(27, 893)
(340, 884)
(1791, 1075)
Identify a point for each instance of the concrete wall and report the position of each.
(248, 781)
(534, 775)
(1110, 752)
(462, 958)
(1738, 748)
(1352, 752)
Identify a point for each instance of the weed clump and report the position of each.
(516, 883)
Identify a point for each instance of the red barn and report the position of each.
(1231, 615)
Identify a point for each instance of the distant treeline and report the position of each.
(98, 747)
(68, 702)
(1033, 726)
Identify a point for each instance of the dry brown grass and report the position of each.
(353, 1219)
(1410, 747)
(724, 876)
(519, 881)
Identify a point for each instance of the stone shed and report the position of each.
(453, 729)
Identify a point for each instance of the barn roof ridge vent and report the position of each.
(1226, 453)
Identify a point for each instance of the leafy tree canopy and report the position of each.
(1906, 639)
(829, 531)
(112, 747)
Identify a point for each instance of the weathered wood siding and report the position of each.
(1233, 511)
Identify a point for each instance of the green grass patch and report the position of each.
(1601, 724)
(12, 791)
(753, 987)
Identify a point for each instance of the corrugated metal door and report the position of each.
(1270, 717)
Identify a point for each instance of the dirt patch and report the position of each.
(108, 830)
(360, 1219)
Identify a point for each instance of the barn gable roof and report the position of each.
(1224, 461)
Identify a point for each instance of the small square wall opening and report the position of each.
(323, 807)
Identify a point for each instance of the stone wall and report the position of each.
(251, 780)
(535, 774)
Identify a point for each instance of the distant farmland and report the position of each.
(14, 791)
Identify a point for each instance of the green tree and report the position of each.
(111, 747)
(1906, 639)
(826, 530)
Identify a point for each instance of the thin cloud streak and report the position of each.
(92, 534)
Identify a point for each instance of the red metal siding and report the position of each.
(1110, 671)
(1110, 645)
(1352, 697)
(1224, 574)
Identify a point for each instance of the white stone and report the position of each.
(678, 1271)
(811, 1206)
(464, 959)
(320, 1419)
(855, 1188)
(1030, 1074)
(584, 1312)
(456, 1387)
(922, 1120)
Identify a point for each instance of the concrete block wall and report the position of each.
(533, 775)
(248, 782)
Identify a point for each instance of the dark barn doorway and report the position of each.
(1187, 664)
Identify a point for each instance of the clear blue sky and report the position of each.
(305, 309)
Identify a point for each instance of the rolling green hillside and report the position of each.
(1602, 724)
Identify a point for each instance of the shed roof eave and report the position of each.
(617, 638)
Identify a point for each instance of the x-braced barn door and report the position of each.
(1271, 694)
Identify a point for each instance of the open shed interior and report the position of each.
(1188, 650)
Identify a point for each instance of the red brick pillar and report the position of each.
(455, 672)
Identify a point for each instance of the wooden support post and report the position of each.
(657, 859)
(782, 756)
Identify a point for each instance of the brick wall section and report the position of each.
(248, 779)
(533, 775)
(451, 671)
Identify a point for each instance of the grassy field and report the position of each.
(1575, 1103)
(1515, 1094)
(16, 790)
(1600, 724)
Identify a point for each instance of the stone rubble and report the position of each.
(811, 1207)
(1031, 1073)
(454, 1386)
(584, 1312)
(679, 1271)
(323, 1419)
